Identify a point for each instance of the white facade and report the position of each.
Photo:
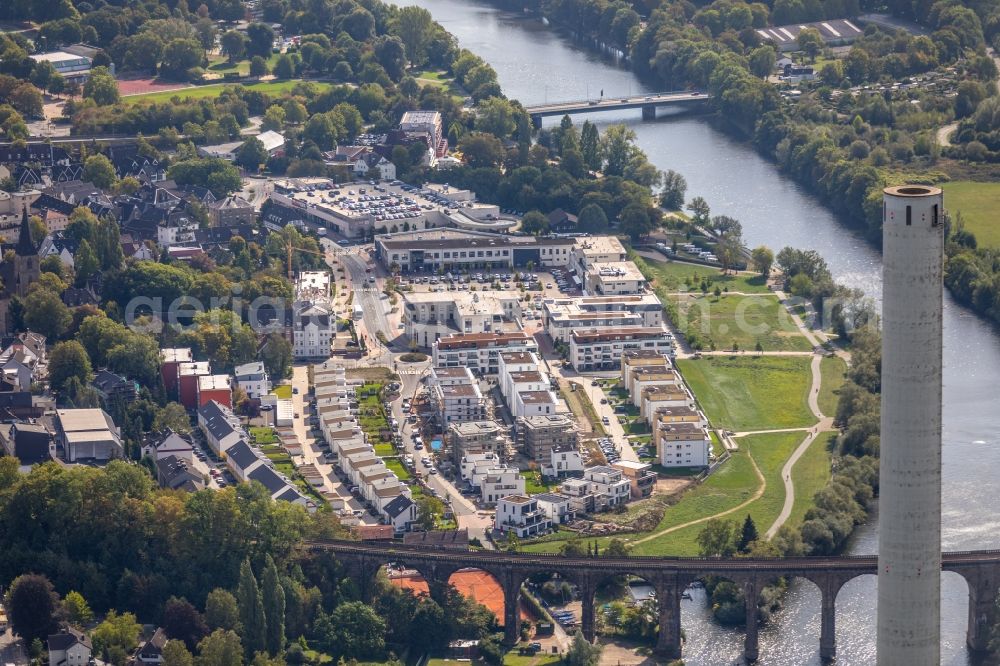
(602, 350)
(683, 445)
(480, 352)
(253, 379)
(313, 319)
(614, 278)
(475, 465)
(563, 463)
(610, 486)
(521, 515)
(555, 506)
(500, 482)
(429, 316)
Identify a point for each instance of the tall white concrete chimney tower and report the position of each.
(909, 548)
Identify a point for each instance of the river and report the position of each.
(535, 64)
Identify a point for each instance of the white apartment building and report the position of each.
(663, 396)
(500, 482)
(520, 514)
(480, 352)
(602, 350)
(555, 506)
(313, 319)
(474, 466)
(609, 485)
(633, 359)
(652, 376)
(457, 396)
(534, 403)
(557, 314)
(683, 445)
(560, 322)
(563, 462)
(252, 378)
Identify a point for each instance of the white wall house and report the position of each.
(520, 514)
(500, 482)
(253, 379)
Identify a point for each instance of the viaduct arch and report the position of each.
(669, 576)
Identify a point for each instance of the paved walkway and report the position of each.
(753, 498)
(825, 424)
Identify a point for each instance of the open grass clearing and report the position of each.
(748, 392)
(743, 321)
(263, 435)
(978, 204)
(533, 484)
(810, 475)
(216, 89)
(677, 276)
(283, 391)
(832, 370)
(398, 468)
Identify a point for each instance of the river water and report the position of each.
(535, 64)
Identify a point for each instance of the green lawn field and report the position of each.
(743, 320)
(219, 64)
(810, 475)
(831, 369)
(673, 277)
(215, 89)
(751, 393)
(770, 453)
(978, 204)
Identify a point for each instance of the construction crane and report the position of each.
(290, 248)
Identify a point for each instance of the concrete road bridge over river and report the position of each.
(695, 99)
(669, 577)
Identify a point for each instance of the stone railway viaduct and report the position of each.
(669, 576)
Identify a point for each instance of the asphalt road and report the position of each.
(368, 296)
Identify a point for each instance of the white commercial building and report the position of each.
(87, 434)
(467, 250)
(429, 316)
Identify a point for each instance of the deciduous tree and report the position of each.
(32, 606)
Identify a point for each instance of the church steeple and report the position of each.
(25, 246)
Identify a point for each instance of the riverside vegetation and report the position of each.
(853, 131)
